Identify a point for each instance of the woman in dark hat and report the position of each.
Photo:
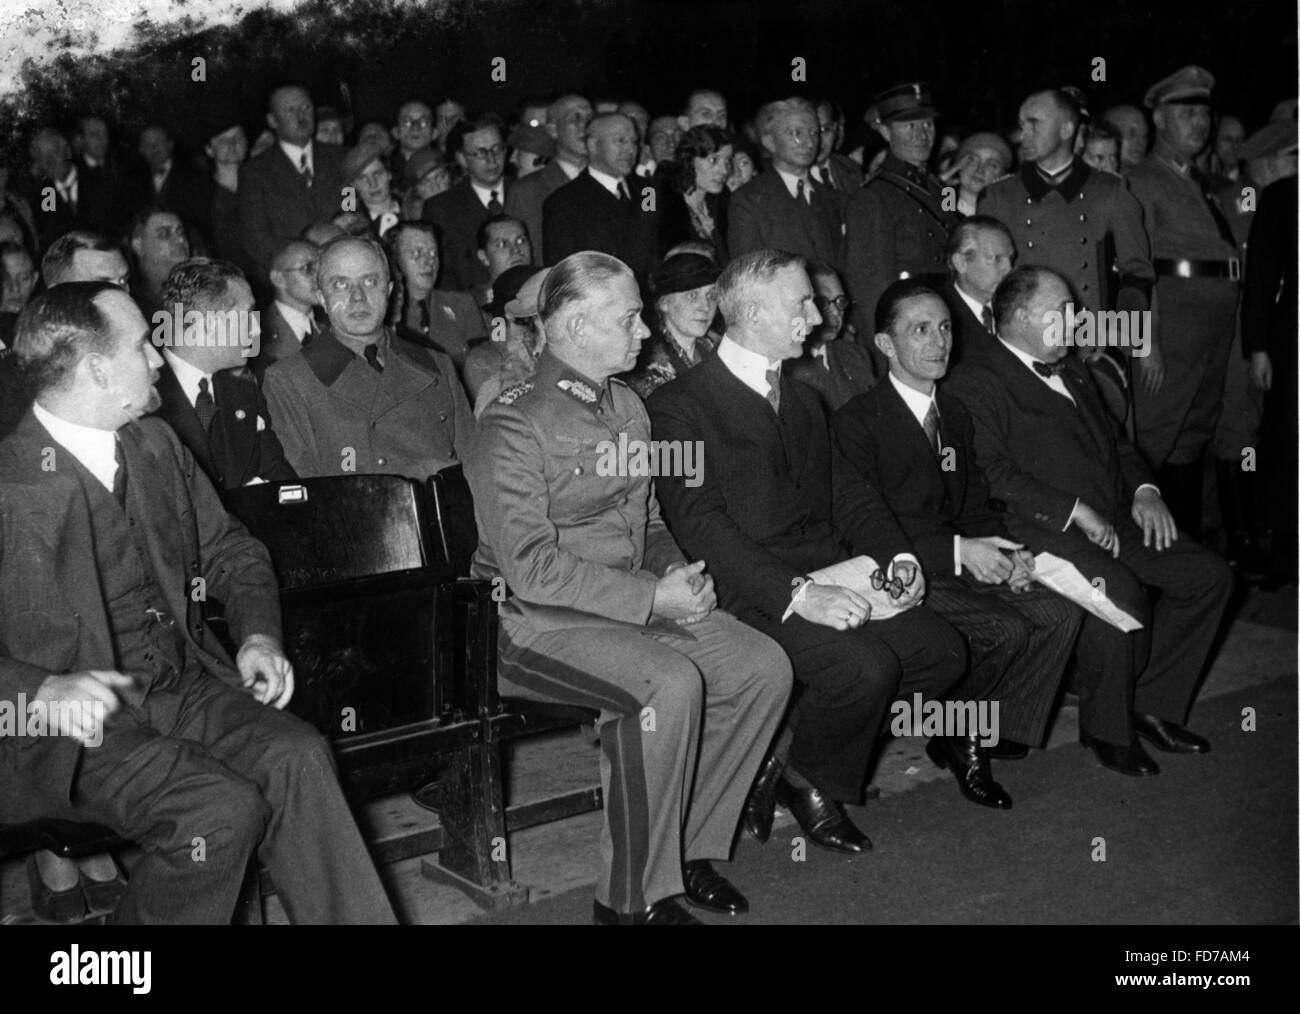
(695, 207)
(685, 304)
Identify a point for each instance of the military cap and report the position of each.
(905, 102)
(359, 158)
(527, 303)
(1192, 85)
(1271, 139)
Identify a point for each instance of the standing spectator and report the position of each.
(171, 185)
(366, 171)
(566, 123)
(693, 205)
(839, 172)
(1101, 150)
(1131, 123)
(77, 203)
(478, 146)
(837, 368)
(288, 322)
(427, 175)
(227, 148)
(414, 134)
(981, 159)
(704, 107)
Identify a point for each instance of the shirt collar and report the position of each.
(748, 367)
(69, 181)
(358, 348)
(917, 403)
(791, 182)
(570, 169)
(484, 194)
(607, 181)
(976, 307)
(295, 153)
(187, 375)
(96, 449)
(1069, 185)
(166, 168)
(298, 320)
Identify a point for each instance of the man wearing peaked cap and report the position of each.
(898, 223)
(1178, 387)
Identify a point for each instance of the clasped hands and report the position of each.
(684, 594)
(992, 559)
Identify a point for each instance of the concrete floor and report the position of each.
(1259, 646)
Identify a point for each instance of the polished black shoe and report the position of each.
(1169, 737)
(708, 889)
(1127, 760)
(48, 905)
(823, 820)
(1006, 749)
(760, 807)
(665, 912)
(965, 758)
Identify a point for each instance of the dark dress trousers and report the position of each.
(190, 760)
(1040, 453)
(1019, 642)
(240, 445)
(763, 215)
(583, 215)
(761, 519)
(275, 203)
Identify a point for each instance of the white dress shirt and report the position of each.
(748, 367)
(976, 307)
(607, 181)
(94, 448)
(299, 322)
(67, 187)
(919, 405)
(484, 194)
(188, 376)
(791, 182)
(295, 155)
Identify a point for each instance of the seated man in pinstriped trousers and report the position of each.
(605, 612)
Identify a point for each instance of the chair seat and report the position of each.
(536, 716)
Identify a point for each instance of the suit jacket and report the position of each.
(455, 322)
(1268, 310)
(100, 200)
(187, 194)
(846, 175)
(968, 331)
(894, 225)
(275, 204)
(456, 215)
(334, 414)
(14, 399)
(762, 514)
(1039, 453)
(526, 197)
(849, 371)
(53, 618)
(886, 448)
(583, 215)
(240, 445)
(278, 340)
(763, 215)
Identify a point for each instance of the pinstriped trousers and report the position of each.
(684, 724)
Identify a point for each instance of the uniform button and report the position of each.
(442, 417)
(1029, 221)
(1085, 264)
(1085, 288)
(381, 461)
(451, 456)
(578, 470)
(1083, 218)
(1030, 244)
(624, 501)
(1083, 239)
(1029, 200)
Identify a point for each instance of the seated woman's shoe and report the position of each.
(50, 905)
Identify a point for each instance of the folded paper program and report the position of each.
(1064, 578)
(863, 575)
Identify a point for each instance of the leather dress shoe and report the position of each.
(664, 912)
(708, 889)
(965, 758)
(1169, 737)
(760, 807)
(103, 895)
(823, 820)
(49, 905)
(1006, 749)
(1127, 760)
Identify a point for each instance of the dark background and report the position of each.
(981, 58)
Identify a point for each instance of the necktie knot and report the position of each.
(803, 191)
(372, 357)
(494, 203)
(623, 194)
(304, 169)
(1048, 369)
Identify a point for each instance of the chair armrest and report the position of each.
(474, 665)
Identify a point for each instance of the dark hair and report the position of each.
(390, 242)
(142, 217)
(698, 142)
(1017, 289)
(481, 237)
(199, 283)
(892, 299)
(57, 261)
(57, 329)
(1100, 130)
(456, 139)
(966, 229)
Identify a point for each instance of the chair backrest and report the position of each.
(367, 611)
(456, 532)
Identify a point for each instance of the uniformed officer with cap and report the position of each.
(1179, 385)
(898, 223)
(605, 612)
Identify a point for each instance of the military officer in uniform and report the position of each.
(357, 398)
(898, 223)
(605, 612)
(1178, 386)
(1062, 214)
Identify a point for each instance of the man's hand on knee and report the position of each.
(265, 670)
(77, 703)
(685, 593)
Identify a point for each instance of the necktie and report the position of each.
(774, 388)
(304, 169)
(801, 192)
(493, 204)
(623, 195)
(931, 426)
(119, 477)
(1220, 223)
(204, 405)
(987, 317)
(372, 357)
(1048, 369)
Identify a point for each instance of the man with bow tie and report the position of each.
(1074, 486)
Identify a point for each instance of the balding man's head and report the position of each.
(293, 273)
(353, 284)
(612, 144)
(1032, 306)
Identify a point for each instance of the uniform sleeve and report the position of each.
(1132, 251)
(291, 417)
(869, 260)
(507, 475)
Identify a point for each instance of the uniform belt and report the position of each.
(1230, 268)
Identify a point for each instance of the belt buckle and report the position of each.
(1183, 268)
(1234, 269)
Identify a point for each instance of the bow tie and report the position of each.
(1048, 369)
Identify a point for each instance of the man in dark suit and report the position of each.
(566, 121)
(605, 208)
(914, 444)
(898, 223)
(97, 161)
(981, 253)
(784, 209)
(358, 398)
(839, 172)
(834, 365)
(62, 198)
(1075, 487)
(157, 734)
(174, 186)
(292, 184)
(479, 148)
(759, 513)
(208, 395)
(289, 320)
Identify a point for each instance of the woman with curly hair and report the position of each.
(695, 207)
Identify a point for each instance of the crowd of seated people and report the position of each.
(854, 325)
